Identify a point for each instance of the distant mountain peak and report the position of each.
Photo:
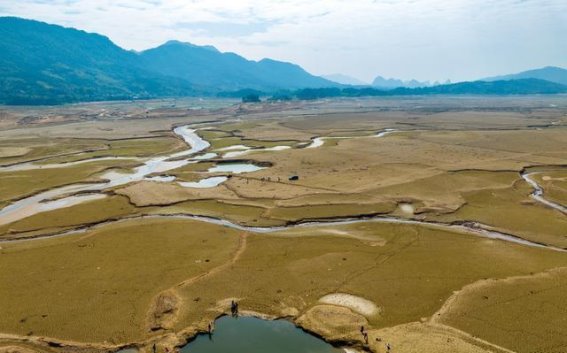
(391, 83)
(345, 79)
(46, 64)
(173, 42)
(549, 73)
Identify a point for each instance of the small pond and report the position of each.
(204, 183)
(253, 335)
(235, 168)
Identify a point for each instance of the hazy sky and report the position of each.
(422, 39)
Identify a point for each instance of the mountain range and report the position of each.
(345, 80)
(549, 73)
(42, 63)
(505, 87)
(48, 64)
(391, 83)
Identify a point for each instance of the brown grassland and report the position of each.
(135, 272)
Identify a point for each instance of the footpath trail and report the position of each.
(242, 243)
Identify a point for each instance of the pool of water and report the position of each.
(253, 335)
(316, 142)
(235, 168)
(204, 183)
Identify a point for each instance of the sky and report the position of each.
(407, 39)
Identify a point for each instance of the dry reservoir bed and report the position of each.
(465, 255)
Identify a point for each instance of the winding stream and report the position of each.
(57, 198)
(320, 141)
(71, 195)
(537, 194)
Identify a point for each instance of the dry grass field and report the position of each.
(132, 268)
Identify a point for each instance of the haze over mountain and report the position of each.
(43, 63)
(391, 83)
(50, 64)
(206, 66)
(507, 87)
(345, 80)
(549, 73)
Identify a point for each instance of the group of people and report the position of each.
(234, 312)
(364, 334)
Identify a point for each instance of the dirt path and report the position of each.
(164, 311)
(242, 243)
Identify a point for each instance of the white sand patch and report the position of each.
(277, 148)
(407, 208)
(548, 178)
(336, 231)
(350, 350)
(357, 304)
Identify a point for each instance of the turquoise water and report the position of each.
(252, 335)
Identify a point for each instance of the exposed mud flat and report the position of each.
(367, 223)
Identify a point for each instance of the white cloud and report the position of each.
(423, 39)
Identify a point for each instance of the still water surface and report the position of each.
(253, 335)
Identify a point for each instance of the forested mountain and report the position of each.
(42, 63)
(509, 87)
(549, 73)
(206, 66)
(46, 64)
(49, 64)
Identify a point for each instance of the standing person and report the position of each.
(154, 349)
